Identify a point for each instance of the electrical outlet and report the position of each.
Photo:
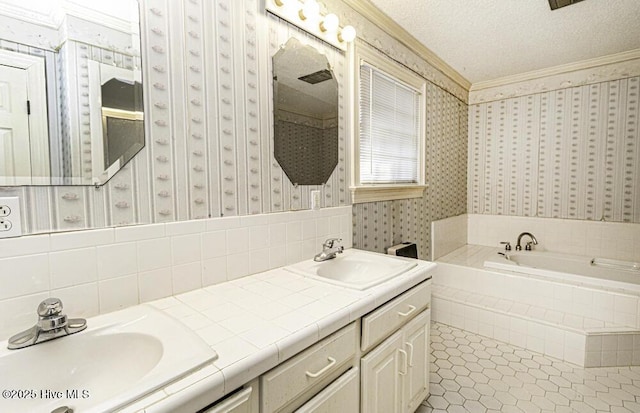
(315, 200)
(5, 225)
(10, 221)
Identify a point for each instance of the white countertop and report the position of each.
(259, 321)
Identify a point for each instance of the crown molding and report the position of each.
(369, 11)
(586, 72)
(557, 70)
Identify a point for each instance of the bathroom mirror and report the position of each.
(305, 97)
(71, 108)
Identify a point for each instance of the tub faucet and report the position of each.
(528, 246)
(329, 250)
(51, 324)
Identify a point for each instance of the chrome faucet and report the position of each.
(51, 324)
(533, 241)
(329, 250)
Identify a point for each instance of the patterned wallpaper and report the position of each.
(378, 225)
(209, 148)
(569, 153)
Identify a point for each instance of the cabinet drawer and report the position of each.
(340, 396)
(315, 367)
(239, 402)
(382, 322)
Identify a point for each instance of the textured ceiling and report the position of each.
(489, 39)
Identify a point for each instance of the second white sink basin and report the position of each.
(119, 358)
(354, 269)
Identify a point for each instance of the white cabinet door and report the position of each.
(340, 396)
(382, 371)
(416, 342)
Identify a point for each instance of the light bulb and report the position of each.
(330, 23)
(348, 34)
(310, 9)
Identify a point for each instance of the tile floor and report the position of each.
(471, 373)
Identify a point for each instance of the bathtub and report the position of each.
(599, 272)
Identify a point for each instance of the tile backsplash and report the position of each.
(103, 270)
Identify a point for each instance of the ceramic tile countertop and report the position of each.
(257, 322)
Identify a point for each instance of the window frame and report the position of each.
(384, 192)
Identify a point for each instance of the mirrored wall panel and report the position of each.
(305, 94)
(71, 107)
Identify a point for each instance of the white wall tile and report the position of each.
(259, 261)
(278, 234)
(214, 244)
(153, 254)
(73, 267)
(116, 260)
(237, 265)
(118, 293)
(186, 277)
(214, 271)
(24, 275)
(155, 284)
(294, 231)
(20, 313)
(259, 237)
(139, 232)
(81, 239)
(237, 240)
(80, 300)
(185, 249)
(33, 244)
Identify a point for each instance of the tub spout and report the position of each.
(528, 247)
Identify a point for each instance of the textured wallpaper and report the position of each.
(378, 225)
(209, 144)
(570, 153)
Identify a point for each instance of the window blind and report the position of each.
(389, 129)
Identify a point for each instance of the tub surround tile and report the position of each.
(574, 322)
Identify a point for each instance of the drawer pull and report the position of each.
(410, 354)
(411, 310)
(406, 358)
(332, 362)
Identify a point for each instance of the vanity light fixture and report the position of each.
(348, 34)
(310, 10)
(330, 23)
(307, 16)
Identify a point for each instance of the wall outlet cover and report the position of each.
(315, 199)
(10, 219)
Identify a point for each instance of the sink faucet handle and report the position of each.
(528, 247)
(507, 245)
(50, 307)
(329, 243)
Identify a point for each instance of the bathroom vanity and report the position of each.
(278, 341)
(377, 363)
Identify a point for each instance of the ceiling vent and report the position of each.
(317, 77)
(556, 4)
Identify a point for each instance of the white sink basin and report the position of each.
(354, 269)
(118, 359)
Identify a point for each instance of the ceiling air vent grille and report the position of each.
(556, 4)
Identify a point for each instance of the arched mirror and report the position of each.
(305, 95)
(71, 109)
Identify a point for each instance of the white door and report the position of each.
(382, 370)
(15, 155)
(416, 341)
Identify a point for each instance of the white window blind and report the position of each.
(389, 129)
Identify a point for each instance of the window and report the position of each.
(389, 138)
